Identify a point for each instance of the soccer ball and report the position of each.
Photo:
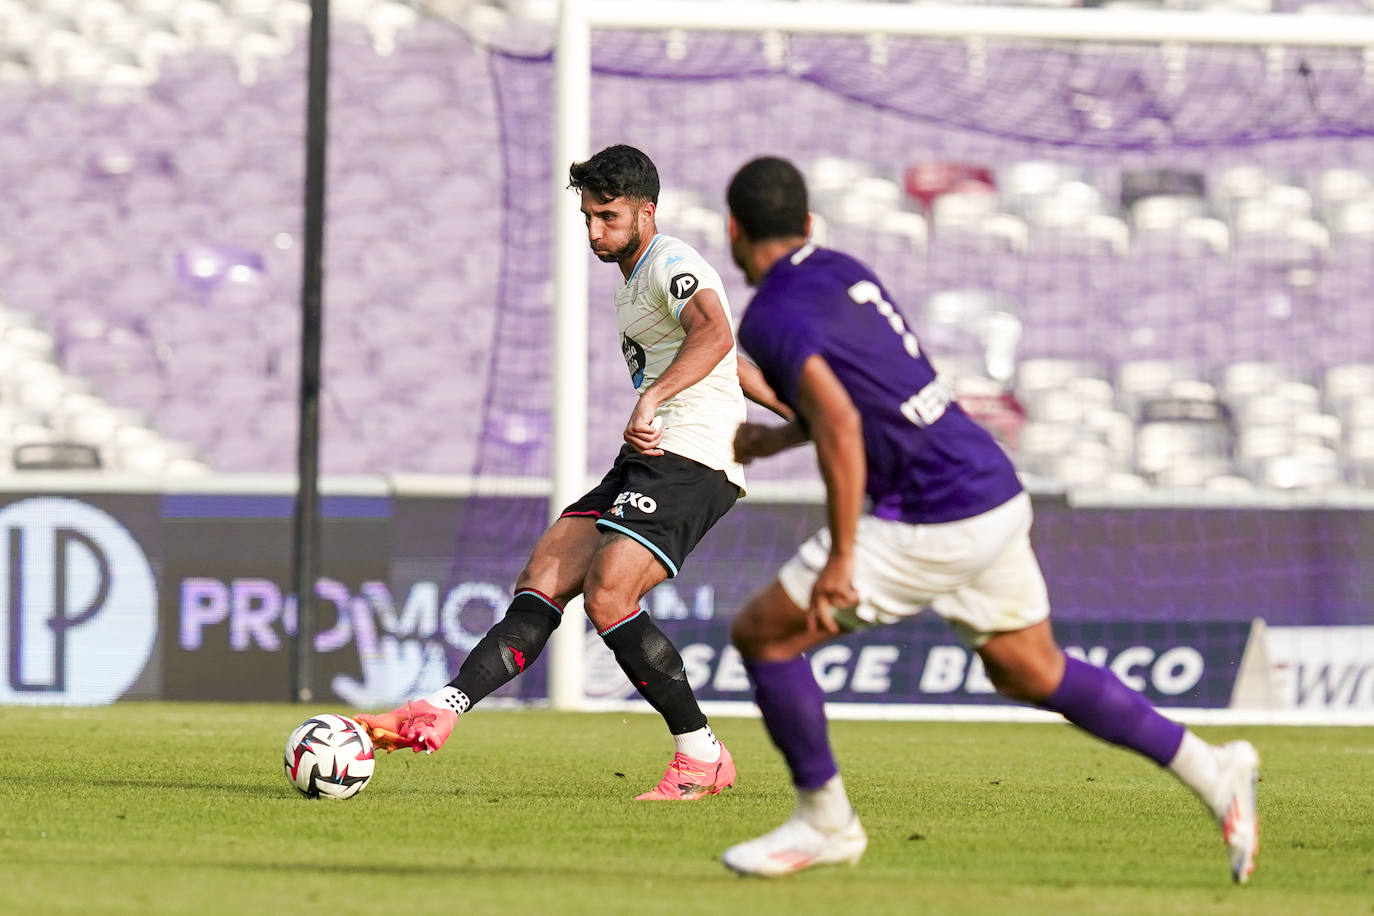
(329, 756)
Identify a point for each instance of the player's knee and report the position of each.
(755, 631)
(1011, 687)
(1027, 684)
(745, 634)
(606, 604)
(542, 575)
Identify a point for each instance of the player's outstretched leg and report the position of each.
(509, 647)
(1224, 778)
(1028, 665)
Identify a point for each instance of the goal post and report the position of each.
(572, 95)
(574, 111)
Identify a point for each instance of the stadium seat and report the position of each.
(1185, 426)
(1303, 471)
(1242, 379)
(928, 180)
(36, 342)
(1122, 482)
(1229, 484)
(1231, 186)
(207, 164)
(996, 233)
(1342, 383)
(962, 209)
(1353, 218)
(55, 456)
(186, 467)
(1193, 472)
(1041, 443)
(1048, 372)
(830, 174)
(1052, 405)
(1275, 230)
(1069, 204)
(1031, 179)
(1165, 212)
(1086, 464)
(1212, 233)
(1097, 236)
(904, 225)
(21, 434)
(1143, 378)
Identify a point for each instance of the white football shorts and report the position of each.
(978, 573)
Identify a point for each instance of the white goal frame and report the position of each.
(572, 137)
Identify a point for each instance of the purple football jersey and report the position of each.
(927, 460)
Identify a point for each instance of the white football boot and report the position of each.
(797, 845)
(1235, 805)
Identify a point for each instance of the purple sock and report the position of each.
(793, 708)
(1096, 701)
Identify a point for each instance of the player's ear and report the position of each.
(647, 211)
(807, 233)
(732, 227)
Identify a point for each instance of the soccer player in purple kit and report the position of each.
(924, 510)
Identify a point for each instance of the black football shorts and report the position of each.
(665, 502)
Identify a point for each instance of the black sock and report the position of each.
(510, 646)
(653, 665)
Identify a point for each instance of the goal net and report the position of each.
(1135, 242)
(1140, 244)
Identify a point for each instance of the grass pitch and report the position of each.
(146, 808)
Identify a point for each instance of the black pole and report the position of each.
(305, 523)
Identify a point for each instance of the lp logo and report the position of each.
(682, 286)
(80, 604)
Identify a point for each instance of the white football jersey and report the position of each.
(700, 422)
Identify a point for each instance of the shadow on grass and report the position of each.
(198, 786)
(514, 870)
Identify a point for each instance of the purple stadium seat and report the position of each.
(177, 220)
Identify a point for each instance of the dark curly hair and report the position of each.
(616, 171)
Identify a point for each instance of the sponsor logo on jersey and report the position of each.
(634, 359)
(683, 285)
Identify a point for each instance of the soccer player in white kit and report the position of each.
(925, 510)
(674, 478)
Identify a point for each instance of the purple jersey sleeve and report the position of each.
(780, 343)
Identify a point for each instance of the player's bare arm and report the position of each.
(708, 341)
(837, 430)
(757, 389)
(761, 440)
